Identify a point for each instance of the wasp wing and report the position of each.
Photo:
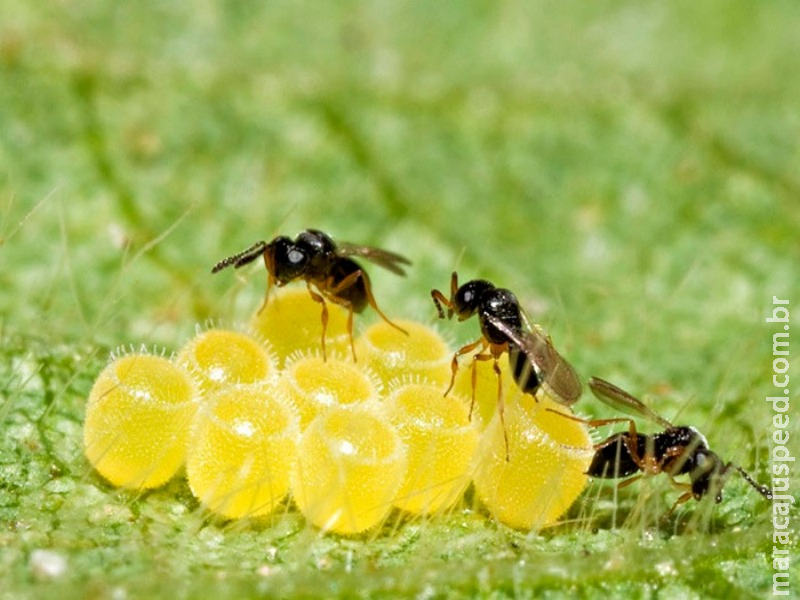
(552, 368)
(383, 258)
(622, 401)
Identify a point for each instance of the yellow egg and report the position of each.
(219, 357)
(548, 456)
(292, 323)
(485, 385)
(137, 416)
(440, 443)
(314, 385)
(350, 465)
(392, 354)
(241, 448)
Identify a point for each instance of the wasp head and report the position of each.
(466, 300)
(707, 474)
(286, 261)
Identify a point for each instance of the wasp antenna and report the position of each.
(244, 257)
(761, 489)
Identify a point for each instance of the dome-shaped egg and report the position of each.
(137, 416)
(241, 448)
(391, 354)
(220, 357)
(350, 464)
(315, 385)
(440, 444)
(548, 455)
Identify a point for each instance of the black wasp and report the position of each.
(678, 450)
(326, 267)
(534, 362)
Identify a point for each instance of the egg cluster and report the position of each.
(259, 416)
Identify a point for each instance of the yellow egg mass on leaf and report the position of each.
(350, 465)
(219, 357)
(440, 443)
(548, 456)
(314, 384)
(241, 449)
(137, 416)
(391, 354)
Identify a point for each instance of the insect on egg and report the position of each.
(291, 323)
(392, 354)
(485, 389)
(137, 416)
(241, 448)
(219, 357)
(314, 384)
(350, 464)
(546, 467)
(440, 443)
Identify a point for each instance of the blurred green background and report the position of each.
(630, 170)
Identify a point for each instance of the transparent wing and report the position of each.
(553, 369)
(382, 258)
(622, 401)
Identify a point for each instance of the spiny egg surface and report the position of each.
(392, 354)
(545, 473)
(440, 443)
(241, 449)
(350, 465)
(314, 384)
(292, 323)
(219, 357)
(137, 417)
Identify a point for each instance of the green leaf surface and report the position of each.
(629, 169)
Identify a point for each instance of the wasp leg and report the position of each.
(482, 343)
(346, 283)
(440, 300)
(324, 317)
(494, 354)
(683, 498)
(589, 423)
(332, 292)
(266, 296)
(629, 481)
